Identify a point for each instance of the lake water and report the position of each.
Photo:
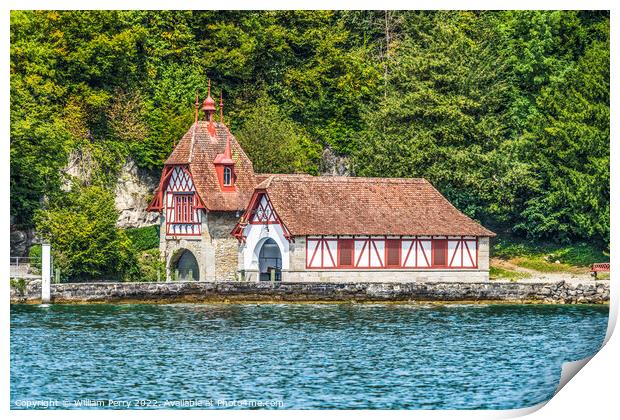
(343, 356)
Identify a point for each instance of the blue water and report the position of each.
(296, 356)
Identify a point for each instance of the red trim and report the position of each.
(374, 245)
(219, 170)
(246, 218)
(357, 263)
(183, 212)
(458, 244)
(413, 243)
(370, 245)
(428, 263)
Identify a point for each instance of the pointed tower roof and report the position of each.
(208, 106)
(201, 151)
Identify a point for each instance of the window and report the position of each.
(345, 252)
(393, 252)
(183, 208)
(227, 176)
(440, 252)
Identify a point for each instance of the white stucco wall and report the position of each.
(256, 235)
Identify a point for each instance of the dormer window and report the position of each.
(227, 176)
(224, 165)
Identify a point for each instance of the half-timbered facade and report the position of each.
(221, 221)
(360, 229)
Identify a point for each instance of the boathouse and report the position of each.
(221, 221)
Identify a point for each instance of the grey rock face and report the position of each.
(133, 191)
(20, 242)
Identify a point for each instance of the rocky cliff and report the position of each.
(134, 190)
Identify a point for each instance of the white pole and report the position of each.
(46, 273)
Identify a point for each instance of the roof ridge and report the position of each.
(343, 178)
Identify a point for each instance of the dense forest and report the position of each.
(506, 113)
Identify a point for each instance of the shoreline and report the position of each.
(571, 291)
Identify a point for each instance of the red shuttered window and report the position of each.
(440, 252)
(183, 208)
(393, 252)
(345, 253)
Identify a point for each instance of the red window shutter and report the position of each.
(345, 252)
(393, 252)
(177, 208)
(184, 208)
(440, 252)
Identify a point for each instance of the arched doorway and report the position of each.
(270, 259)
(184, 267)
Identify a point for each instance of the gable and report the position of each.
(263, 212)
(260, 211)
(180, 180)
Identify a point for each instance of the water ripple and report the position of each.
(308, 356)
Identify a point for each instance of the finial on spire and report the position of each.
(221, 107)
(208, 106)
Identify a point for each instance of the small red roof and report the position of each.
(226, 157)
(325, 205)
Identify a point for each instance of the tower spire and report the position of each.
(208, 106)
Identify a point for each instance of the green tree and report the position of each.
(275, 144)
(571, 139)
(444, 110)
(81, 226)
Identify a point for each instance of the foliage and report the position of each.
(19, 285)
(82, 226)
(275, 144)
(544, 266)
(35, 255)
(150, 267)
(505, 112)
(143, 238)
(502, 273)
(580, 254)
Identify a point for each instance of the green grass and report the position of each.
(539, 264)
(542, 256)
(502, 273)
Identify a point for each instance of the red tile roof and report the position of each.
(309, 205)
(198, 149)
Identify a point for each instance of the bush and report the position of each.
(35, 257)
(581, 255)
(150, 267)
(144, 238)
(86, 244)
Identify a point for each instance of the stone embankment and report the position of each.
(582, 291)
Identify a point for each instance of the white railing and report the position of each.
(25, 268)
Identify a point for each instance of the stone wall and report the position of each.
(225, 245)
(215, 249)
(586, 291)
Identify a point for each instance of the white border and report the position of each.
(592, 395)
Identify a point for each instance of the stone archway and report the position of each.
(184, 266)
(270, 259)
